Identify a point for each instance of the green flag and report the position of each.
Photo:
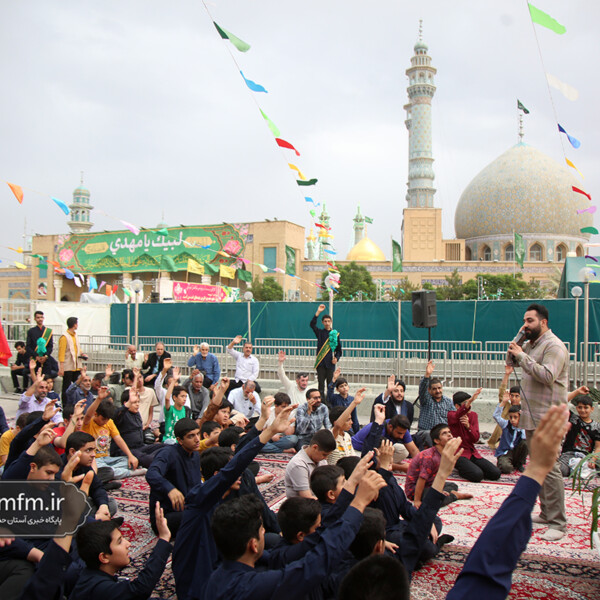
(290, 261)
(167, 264)
(396, 257)
(368, 220)
(274, 129)
(520, 106)
(227, 35)
(211, 269)
(519, 249)
(545, 20)
(244, 275)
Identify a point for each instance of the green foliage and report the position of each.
(404, 290)
(267, 289)
(506, 287)
(355, 282)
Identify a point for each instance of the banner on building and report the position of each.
(199, 292)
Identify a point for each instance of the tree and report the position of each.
(355, 283)
(453, 290)
(505, 287)
(404, 289)
(266, 290)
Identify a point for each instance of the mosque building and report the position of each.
(522, 191)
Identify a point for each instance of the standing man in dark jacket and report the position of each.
(329, 349)
(37, 332)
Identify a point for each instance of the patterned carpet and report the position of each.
(563, 570)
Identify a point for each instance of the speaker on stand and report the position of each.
(424, 313)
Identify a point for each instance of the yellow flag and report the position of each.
(228, 272)
(574, 167)
(20, 265)
(195, 267)
(300, 173)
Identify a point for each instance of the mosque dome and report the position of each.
(421, 45)
(366, 250)
(523, 190)
(81, 191)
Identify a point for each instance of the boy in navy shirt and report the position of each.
(512, 449)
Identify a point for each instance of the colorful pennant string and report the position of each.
(17, 190)
(61, 205)
(573, 167)
(284, 144)
(573, 141)
(274, 129)
(227, 35)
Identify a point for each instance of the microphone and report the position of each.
(518, 340)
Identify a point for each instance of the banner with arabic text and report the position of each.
(199, 292)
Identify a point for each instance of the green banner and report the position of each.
(290, 261)
(396, 257)
(122, 251)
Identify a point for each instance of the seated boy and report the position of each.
(342, 423)
(105, 552)
(298, 518)
(302, 464)
(424, 467)
(174, 472)
(512, 451)
(463, 423)
(98, 423)
(584, 436)
(287, 441)
(174, 408)
(9, 435)
(341, 397)
(73, 421)
(515, 400)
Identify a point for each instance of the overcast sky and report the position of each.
(144, 97)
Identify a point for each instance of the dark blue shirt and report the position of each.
(195, 554)
(334, 399)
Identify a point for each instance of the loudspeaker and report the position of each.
(424, 310)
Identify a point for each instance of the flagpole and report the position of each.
(514, 256)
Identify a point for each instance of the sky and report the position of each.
(146, 99)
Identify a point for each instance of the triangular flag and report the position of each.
(274, 129)
(574, 141)
(127, 292)
(591, 230)
(226, 35)
(17, 190)
(295, 168)
(92, 284)
(69, 274)
(520, 106)
(568, 91)
(20, 265)
(54, 263)
(264, 268)
(255, 87)
(287, 145)
(114, 289)
(574, 167)
(591, 210)
(309, 182)
(313, 213)
(576, 189)
(19, 249)
(108, 289)
(61, 205)
(545, 20)
(135, 230)
(101, 284)
(76, 281)
(312, 201)
(164, 231)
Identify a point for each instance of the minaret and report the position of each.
(80, 210)
(323, 233)
(422, 223)
(418, 122)
(311, 246)
(359, 226)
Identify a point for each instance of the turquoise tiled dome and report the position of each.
(522, 190)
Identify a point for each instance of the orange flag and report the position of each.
(108, 289)
(17, 191)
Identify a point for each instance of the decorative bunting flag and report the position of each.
(135, 230)
(264, 268)
(278, 270)
(20, 265)
(591, 257)
(368, 220)
(313, 213)
(244, 275)
(284, 144)
(255, 87)
(568, 91)
(545, 20)
(221, 253)
(195, 267)
(92, 284)
(574, 141)
(521, 106)
(76, 281)
(332, 266)
(312, 201)
(329, 251)
(591, 230)
(54, 263)
(591, 210)
(295, 168)
(17, 190)
(108, 289)
(396, 257)
(19, 249)
(519, 249)
(61, 205)
(576, 189)
(323, 226)
(127, 292)
(290, 260)
(274, 129)
(309, 182)
(164, 231)
(114, 289)
(226, 35)
(574, 167)
(101, 284)
(69, 274)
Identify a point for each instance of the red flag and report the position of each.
(114, 290)
(108, 289)
(576, 189)
(283, 144)
(17, 191)
(5, 352)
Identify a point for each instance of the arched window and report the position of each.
(536, 252)
(487, 253)
(561, 252)
(579, 251)
(467, 253)
(509, 252)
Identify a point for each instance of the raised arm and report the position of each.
(339, 424)
(91, 411)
